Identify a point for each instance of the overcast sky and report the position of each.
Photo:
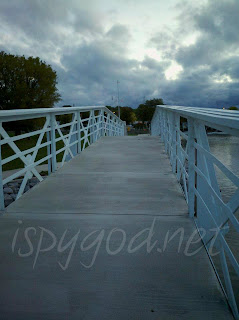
(186, 52)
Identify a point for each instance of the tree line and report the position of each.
(143, 113)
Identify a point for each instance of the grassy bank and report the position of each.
(25, 144)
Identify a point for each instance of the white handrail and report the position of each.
(229, 119)
(22, 114)
(75, 136)
(193, 164)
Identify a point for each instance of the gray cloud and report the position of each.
(90, 55)
(214, 56)
(97, 67)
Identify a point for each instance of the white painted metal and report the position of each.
(194, 164)
(80, 134)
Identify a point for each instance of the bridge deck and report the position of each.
(118, 182)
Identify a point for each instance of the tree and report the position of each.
(127, 114)
(113, 109)
(145, 111)
(26, 83)
(154, 102)
(233, 108)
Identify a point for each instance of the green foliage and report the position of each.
(65, 118)
(233, 108)
(113, 109)
(127, 114)
(154, 102)
(26, 83)
(145, 111)
(24, 125)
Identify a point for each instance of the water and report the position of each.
(226, 149)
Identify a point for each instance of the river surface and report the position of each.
(226, 149)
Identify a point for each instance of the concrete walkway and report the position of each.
(92, 242)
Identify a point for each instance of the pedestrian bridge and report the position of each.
(125, 229)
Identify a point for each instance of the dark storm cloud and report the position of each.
(88, 70)
(230, 67)
(166, 42)
(210, 60)
(218, 25)
(90, 57)
(97, 66)
(42, 19)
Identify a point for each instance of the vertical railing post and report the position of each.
(191, 170)
(167, 131)
(91, 126)
(49, 161)
(161, 123)
(78, 132)
(53, 141)
(164, 127)
(117, 132)
(113, 126)
(108, 125)
(178, 144)
(94, 127)
(158, 119)
(206, 166)
(2, 205)
(174, 146)
(116, 127)
(102, 123)
(105, 123)
(158, 122)
(124, 133)
(171, 130)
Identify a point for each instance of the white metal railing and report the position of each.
(193, 164)
(86, 126)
